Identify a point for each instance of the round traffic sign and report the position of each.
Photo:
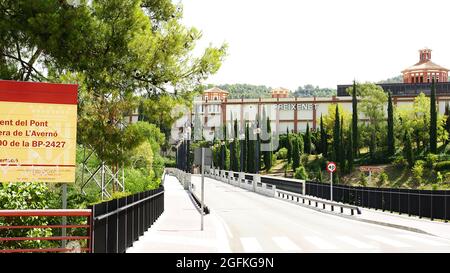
(331, 167)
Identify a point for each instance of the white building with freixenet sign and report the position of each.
(294, 113)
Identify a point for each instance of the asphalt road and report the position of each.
(256, 223)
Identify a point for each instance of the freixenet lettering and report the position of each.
(296, 106)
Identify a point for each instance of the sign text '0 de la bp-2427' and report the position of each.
(38, 126)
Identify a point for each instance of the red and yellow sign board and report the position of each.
(370, 169)
(37, 132)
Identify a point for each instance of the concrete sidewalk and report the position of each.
(178, 228)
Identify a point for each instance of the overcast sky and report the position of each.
(289, 43)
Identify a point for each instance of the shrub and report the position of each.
(417, 171)
(439, 178)
(137, 181)
(304, 159)
(26, 196)
(282, 153)
(300, 173)
(274, 159)
(319, 176)
(442, 166)
(400, 162)
(363, 179)
(431, 159)
(382, 179)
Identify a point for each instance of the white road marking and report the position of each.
(221, 235)
(387, 241)
(250, 244)
(319, 242)
(227, 229)
(183, 240)
(423, 240)
(286, 244)
(353, 242)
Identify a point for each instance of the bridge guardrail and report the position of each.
(118, 223)
(302, 199)
(258, 183)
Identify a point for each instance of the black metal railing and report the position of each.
(118, 223)
(283, 184)
(433, 204)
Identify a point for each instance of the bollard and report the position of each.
(256, 179)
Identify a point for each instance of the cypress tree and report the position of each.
(447, 121)
(336, 135)
(409, 154)
(323, 139)
(289, 146)
(223, 150)
(307, 141)
(234, 153)
(295, 153)
(342, 146)
(243, 150)
(350, 151)
(251, 162)
(433, 120)
(390, 132)
(301, 145)
(247, 146)
(268, 154)
(354, 121)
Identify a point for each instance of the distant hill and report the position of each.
(310, 90)
(396, 79)
(246, 91)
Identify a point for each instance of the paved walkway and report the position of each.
(178, 228)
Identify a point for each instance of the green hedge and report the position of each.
(442, 166)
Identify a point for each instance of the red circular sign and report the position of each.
(331, 167)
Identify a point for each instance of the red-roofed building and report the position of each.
(425, 70)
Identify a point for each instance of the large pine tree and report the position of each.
(307, 140)
(354, 121)
(390, 123)
(433, 119)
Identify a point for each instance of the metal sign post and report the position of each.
(64, 218)
(203, 186)
(331, 168)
